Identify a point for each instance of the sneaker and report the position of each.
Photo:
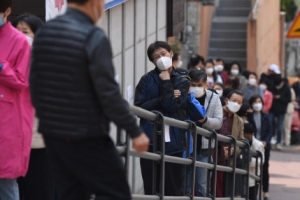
(278, 147)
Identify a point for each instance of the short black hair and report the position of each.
(209, 61)
(33, 21)
(157, 45)
(194, 60)
(243, 110)
(198, 75)
(253, 99)
(246, 74)
(238, 64)
(219, 84)
(252, 73)
(175, 57)
(248, 128)
(5, 4)
(265, 81)
(234, 83)
(81, 2)
(235, 92)
(220, 60)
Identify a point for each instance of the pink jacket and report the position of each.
(16, 111)
(268, 100)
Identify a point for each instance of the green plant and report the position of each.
(290, 8)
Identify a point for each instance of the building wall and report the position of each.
(264, 38)
(131, 28)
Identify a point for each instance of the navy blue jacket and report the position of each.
(154, 94)
(266, 127)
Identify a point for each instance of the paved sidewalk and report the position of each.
(285, 174)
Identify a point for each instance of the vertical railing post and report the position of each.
(246, 167)
(231, 175)
(259, 155)
(214, 136)
(154, 150)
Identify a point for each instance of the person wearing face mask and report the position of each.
(267, 95)
(252, 88)
(76, 97)
(38, 182)
(219, 88)
(212, 76)
(219, 68)
(232, 125)
(273, 71)
(244, 111)
(281, 98)
(255, 145)
(16, 111)
(263, 132)
(166, 91)
(235, 72)
(212, 121)
(196, 62)
(177, 64)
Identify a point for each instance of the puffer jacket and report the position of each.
(72, 80)
(154, 94)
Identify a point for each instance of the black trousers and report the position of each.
(266, 169)
(38, 183)
(173, 176)
(253, 193)
(87, 166)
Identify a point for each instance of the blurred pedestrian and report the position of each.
(296, 87)
(273, 71)
(219, 68)
(255, 145)
(177, 64)
(235, 72)
(281, 98)
(168, 94)
(287, 123)
(196, 61)
(244, 111)
(219, 88)
(38, 182)
(263, 132)
(76, 97)
(16, 111)
(212, 75)
(267, 97)
(252, 87)
(212, 121)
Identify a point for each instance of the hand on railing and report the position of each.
(141, 143)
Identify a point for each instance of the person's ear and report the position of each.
(7, 12)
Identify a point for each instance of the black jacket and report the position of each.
(266, 127)
(279, 106)
(72, 80)
(296, 88)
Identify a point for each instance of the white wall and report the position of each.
(131, 27)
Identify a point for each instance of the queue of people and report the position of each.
(71, 97)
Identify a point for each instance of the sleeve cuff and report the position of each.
(134, 132)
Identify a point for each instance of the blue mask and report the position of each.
(1, 21)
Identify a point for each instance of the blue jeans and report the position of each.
(9, 189)
(279, 125)
(201, 176)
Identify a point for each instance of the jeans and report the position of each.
(9, 189)
(201, 175)
(279, 125)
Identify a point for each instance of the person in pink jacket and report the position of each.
(268, 96)
(16, 111)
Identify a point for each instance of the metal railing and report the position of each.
(212, 167)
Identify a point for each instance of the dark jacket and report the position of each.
(154, 94)
(266, 127)
(72, 80)
(296, 87)
(279, 106)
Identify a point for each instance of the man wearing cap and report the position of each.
(271, 73)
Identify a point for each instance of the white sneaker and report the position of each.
(278, 147)
(273, 141)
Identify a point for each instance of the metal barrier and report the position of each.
(159, 156)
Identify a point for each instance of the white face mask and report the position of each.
(164, 63)
(263, 87)
(252, 81)
(29, 39)
(234, 72)
(198, 91)
(209, 71)
(220, 92)
(257, 106)
(219, 68)
(179, 64)
(233, 106)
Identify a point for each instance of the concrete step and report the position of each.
(225, 53)
(228, 43)
(219, 25)
(235, 3)
(237, 12)
(228, 34)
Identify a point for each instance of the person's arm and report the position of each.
(269, 131)
(268, 100)
(101, 70)
(285, 97)
(196, 111)
(168, 101)
(140, 96)
(15, 76)
(215, 122)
